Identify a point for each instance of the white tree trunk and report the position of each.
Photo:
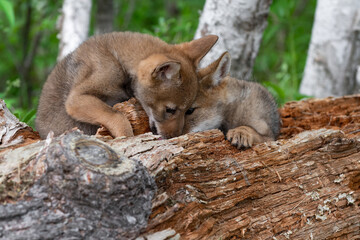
(73, 25)
(334, 52)
(240, 25)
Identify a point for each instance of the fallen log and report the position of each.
(12, 131)
(72, 187)
(304, 186)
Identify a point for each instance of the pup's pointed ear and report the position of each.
(157, 69)
(166, 71)
(213, 74)
(222, 69)
(197, 49)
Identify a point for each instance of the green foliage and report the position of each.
(28, 50)
(281, 60)
(7, 8)
(172, 21)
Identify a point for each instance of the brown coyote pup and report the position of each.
(111, 68)
(245, 111)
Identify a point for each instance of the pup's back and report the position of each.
(112, 57)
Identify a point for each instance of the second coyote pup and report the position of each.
(245, 111)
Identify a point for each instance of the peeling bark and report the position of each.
(306, 187)
(12, 131)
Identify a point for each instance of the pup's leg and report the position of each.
(92, 89)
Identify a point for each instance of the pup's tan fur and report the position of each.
(111, 68)
(245, 111)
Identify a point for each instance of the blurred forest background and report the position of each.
(29, 44)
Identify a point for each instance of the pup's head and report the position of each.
(168, 84)
(207, 110)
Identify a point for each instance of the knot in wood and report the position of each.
(95, 153)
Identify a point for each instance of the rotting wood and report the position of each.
(12, 131)
(331, 113)
(303, 186)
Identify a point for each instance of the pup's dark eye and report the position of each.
(190, 111)
(170, 110)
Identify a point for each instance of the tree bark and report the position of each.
(73, 187)
(12, 131)
(304, 186)
(334, 51)
(240, 25)
(104, 16)
(73, 25)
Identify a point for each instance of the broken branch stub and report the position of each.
(12, 131)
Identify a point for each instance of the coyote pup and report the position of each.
(111, 68)
(245, 111)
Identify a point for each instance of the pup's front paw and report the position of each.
(243, 137)
(120, 127)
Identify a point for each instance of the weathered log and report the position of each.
(341, 113)
(72, 187)
(12, 131)
(304, 186)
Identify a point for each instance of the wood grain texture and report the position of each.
(305, 185)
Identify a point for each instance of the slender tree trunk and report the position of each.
(29, 48)
(104, 16)
(240, 25)
(334, 53)
(73, 25)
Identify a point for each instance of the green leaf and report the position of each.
(28, 116)
(7, 7)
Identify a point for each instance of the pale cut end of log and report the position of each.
(13, 132)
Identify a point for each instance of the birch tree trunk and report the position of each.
(334, 52)
(240, 25)
(73, 25)
(104, 16)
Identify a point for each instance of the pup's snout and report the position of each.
(153, 129)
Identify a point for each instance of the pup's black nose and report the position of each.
(153, 129)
